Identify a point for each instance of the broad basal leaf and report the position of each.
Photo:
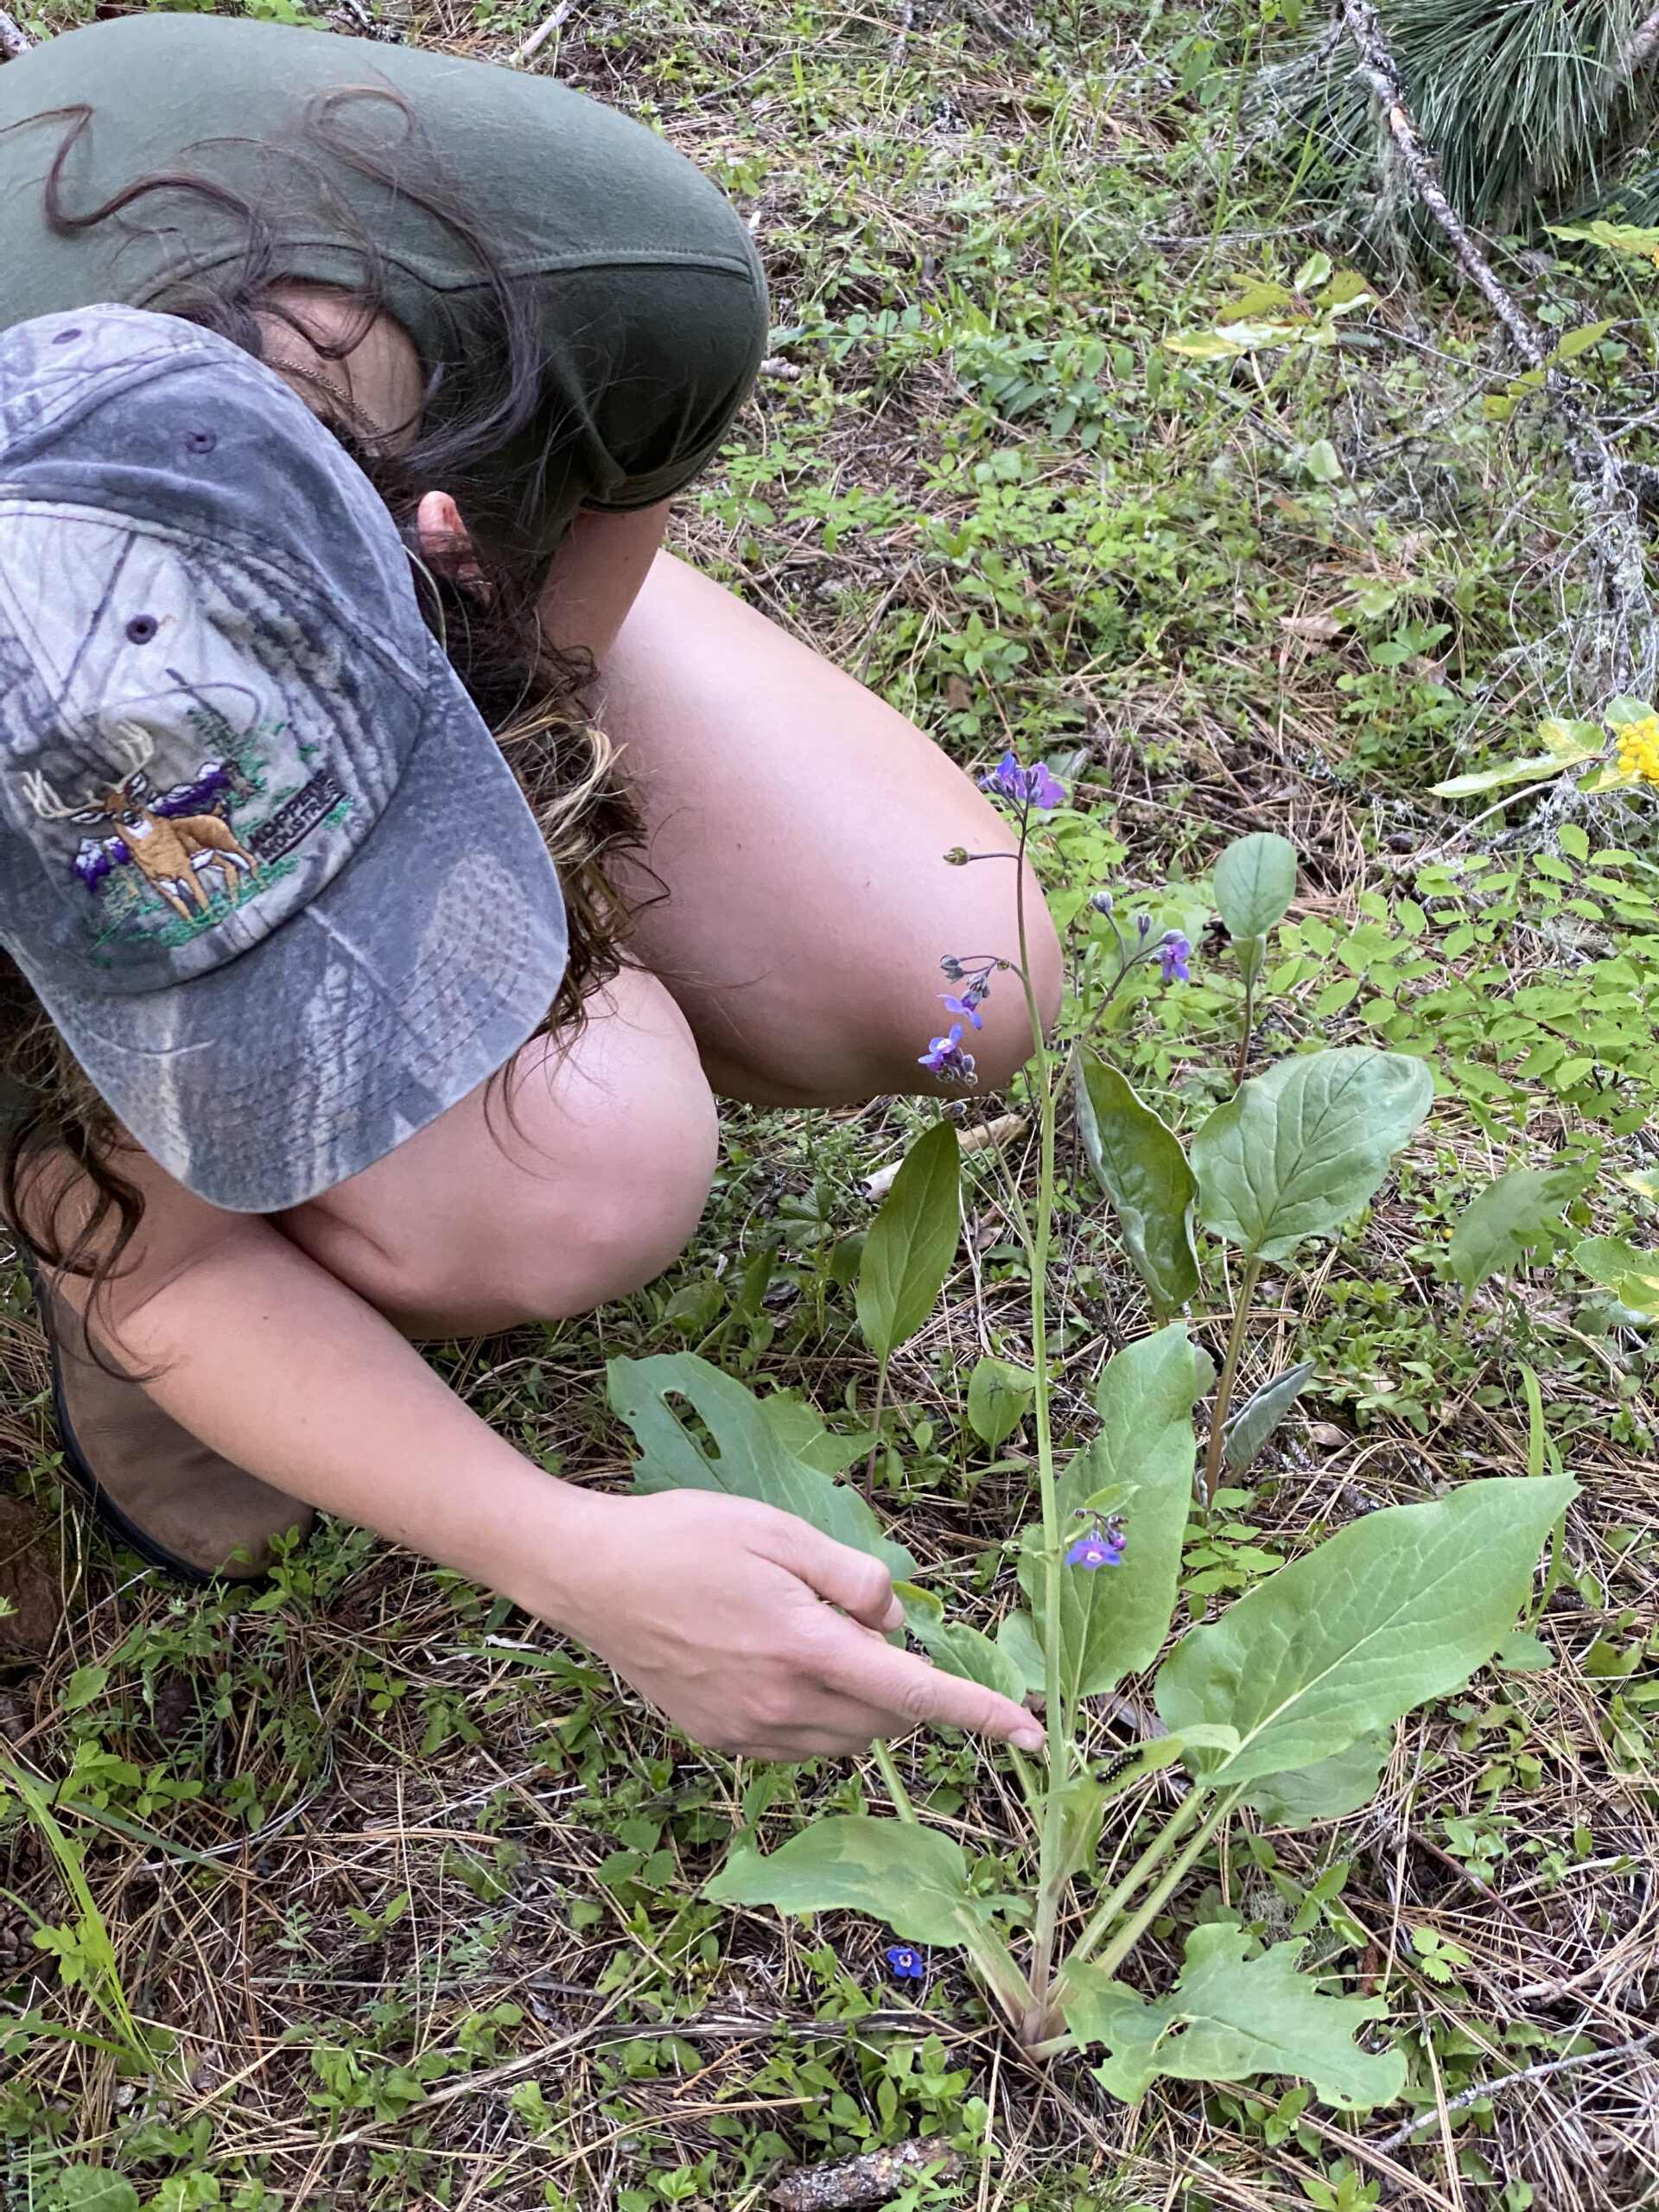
(1114, 1618)
(1400, 1606)
(912, 1878)
(1329, 1791)
(911, 1241)
(1304, 1146)
(1254, 882)
(1229, 2019)
(1250, 1427)
(999, 1398)
(800, 1429)
(750, 1460)
(1507, 1220)
(1631, 1274)
(1140, 1165)
(956, 1647)
(1569, 744)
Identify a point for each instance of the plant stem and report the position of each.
(1224, 1387)
(1050, 1846)
(875, 1424)
(1241, 1069)
(1134, 1929)
(896, 1788)
(1108, 1907)
(1031, 1789)
(1137, 1926)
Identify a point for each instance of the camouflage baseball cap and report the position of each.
(260, 857)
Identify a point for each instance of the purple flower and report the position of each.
(1096, 1549)
(907, 1962)
(1024, 786)
(967, 1007)
(946, 1059)
(1175, 953)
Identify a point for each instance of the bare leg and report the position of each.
(576, 1181)
(799, 823)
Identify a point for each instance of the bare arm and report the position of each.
(596, 575)
(714, 1608)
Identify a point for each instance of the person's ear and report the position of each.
(445, 542)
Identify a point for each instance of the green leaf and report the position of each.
(1114, 1619)
(999, 1398)
(1301, 1147)
(1327, 1792)
(1521, 1654)
(1254, 880)
(801, 1430)
(1140, 1166)
(90, 2189)
(1400, 1606)
(1018, 1642)
(955, 1647)
(911, 1244)
(1229, 2019)
(1261, 1414)
(912, 1878)
(1632, 1274)
(753, 1460)
(1507, 1220)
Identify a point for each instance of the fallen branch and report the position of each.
(522, 56)
(14, 42)
(1003, 1130)
(1644, 44)
(1482, 2090)
(1612, 491)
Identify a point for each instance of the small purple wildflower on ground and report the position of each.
(1175, 952)
(1096, 1549)
(967, 1006)
(907, 1962)
(1024, 786)
(946, 1059)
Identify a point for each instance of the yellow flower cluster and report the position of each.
(1638, 748)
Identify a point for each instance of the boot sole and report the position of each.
(79, 1469)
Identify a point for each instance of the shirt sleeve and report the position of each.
(681, 366)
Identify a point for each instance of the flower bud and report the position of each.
(1101, 901)
(957, 857)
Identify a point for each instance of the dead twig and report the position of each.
(522, 56)
(13, 41)
(1482, 2090)
(1610, 493)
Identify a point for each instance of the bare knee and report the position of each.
(579, 1180)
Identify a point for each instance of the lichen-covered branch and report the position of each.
(13, 41)
(1644, 44)
(1610, 489)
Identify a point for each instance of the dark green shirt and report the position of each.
(648, 294)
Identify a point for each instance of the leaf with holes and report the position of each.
(750, 1459)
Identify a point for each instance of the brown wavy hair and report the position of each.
(532, 696)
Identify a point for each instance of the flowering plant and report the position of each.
(1285, 1706)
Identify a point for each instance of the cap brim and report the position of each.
(409, 981)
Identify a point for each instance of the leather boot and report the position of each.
(168, 1497)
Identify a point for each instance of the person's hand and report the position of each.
(724, 1614)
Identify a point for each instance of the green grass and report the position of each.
(404, 1896)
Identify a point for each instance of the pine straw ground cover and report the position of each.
(415, 1889)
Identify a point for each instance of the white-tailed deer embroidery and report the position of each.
(173, 838)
